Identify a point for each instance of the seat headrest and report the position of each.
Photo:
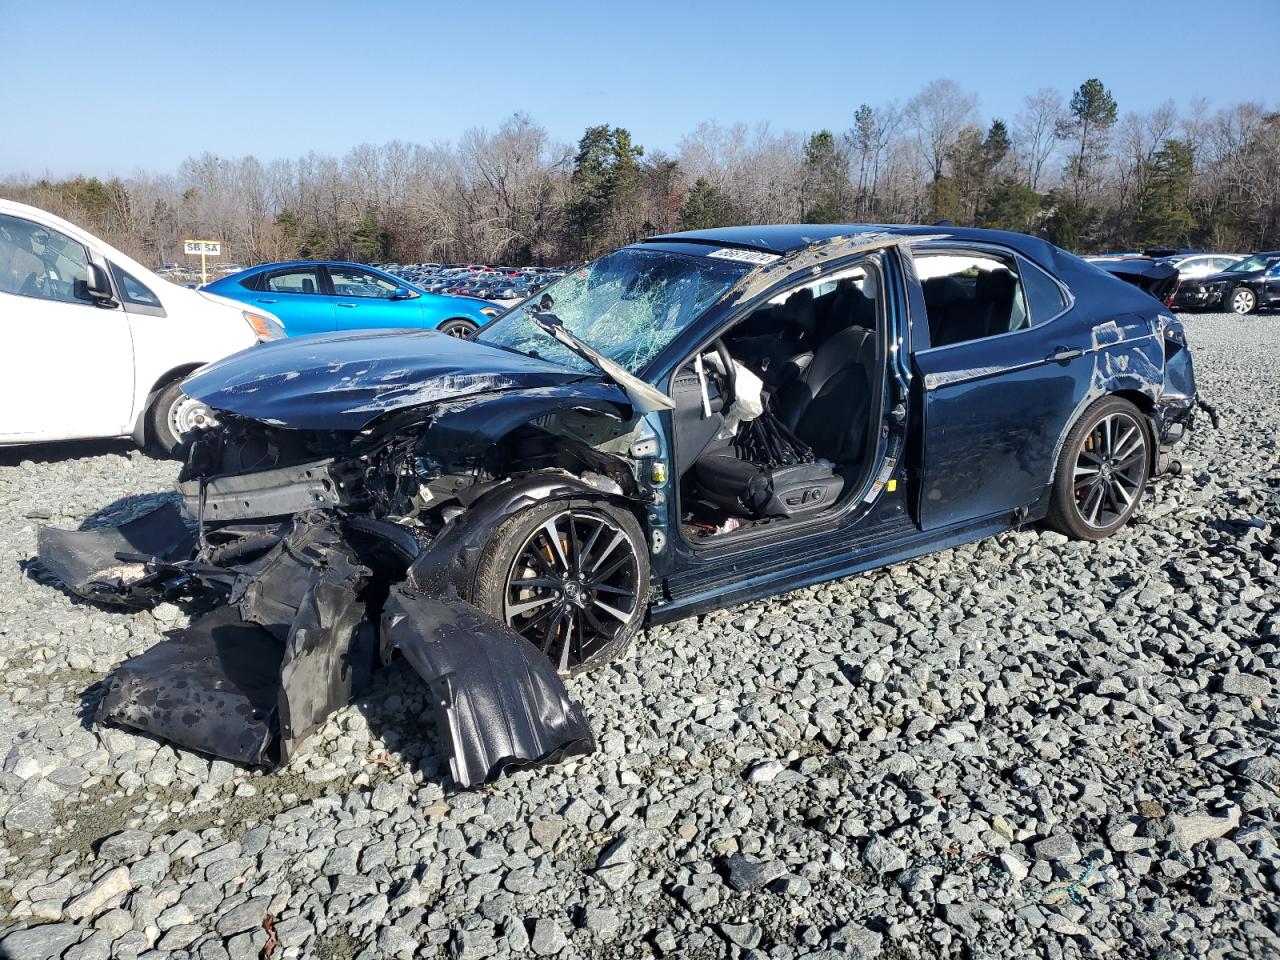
(994, 284)
(798, 310)
(939, 290)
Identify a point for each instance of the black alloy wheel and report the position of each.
(570, 576)
(1102, 471)
(1111, 467)
(573, 588)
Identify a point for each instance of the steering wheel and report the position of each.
(730, 373)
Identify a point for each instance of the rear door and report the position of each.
(66, 365)
(363, 300)
(1000, 380)
(297, 296)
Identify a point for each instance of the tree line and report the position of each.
(1072, 169)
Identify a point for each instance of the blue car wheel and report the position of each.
(458, 327)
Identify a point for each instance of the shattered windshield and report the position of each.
(628, 305)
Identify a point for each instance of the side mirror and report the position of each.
(401, 293)
(96, 288)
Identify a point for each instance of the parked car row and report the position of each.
(476, 279)
(1231, 282)
(182, 274)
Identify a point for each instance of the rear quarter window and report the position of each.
(1045, 299)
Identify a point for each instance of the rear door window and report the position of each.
(970, 295)
(293, 280)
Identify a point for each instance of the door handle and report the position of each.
(1063, 355)
(267, 300)
(346, 304)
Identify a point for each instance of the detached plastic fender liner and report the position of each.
(499, 704)
(213, 687)
(86, 561)
(252, 679)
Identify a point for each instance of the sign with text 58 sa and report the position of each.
(208, 248)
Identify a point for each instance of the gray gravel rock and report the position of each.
(45, 942)
(745, 873)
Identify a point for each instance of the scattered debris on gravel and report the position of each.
(1022, 747)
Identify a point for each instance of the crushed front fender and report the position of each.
(499, 704)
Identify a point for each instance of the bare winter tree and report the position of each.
(937, 114)
(504, 194)
(1034, 132)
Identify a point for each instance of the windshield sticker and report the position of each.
(758, 257)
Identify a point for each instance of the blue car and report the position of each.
(323, 297)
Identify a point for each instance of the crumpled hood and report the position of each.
(345, 381)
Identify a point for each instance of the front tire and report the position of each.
(172, 415)
(571, 577)
(458, 327)
(1102, 471)
(1242, 301)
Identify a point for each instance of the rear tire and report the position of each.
(581, 597)
(1102, 471)
(171, 416)
(458, 327)
(1242, 301)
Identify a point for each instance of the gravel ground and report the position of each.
(1023, 747)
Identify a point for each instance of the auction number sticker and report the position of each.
(758, 257)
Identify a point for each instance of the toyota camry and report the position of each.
(693, 421)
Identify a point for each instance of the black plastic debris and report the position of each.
(250, 681)
(214, 688)
(106, 563)
(293, 641)
(499, 704)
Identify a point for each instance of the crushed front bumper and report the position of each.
(303, 625)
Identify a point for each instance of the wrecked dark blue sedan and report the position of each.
(693, 421)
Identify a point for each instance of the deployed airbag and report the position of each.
(499, 704)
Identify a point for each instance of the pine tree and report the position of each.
(706, 206)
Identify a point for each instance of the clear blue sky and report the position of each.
(113, 87)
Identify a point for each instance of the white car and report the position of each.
(95, 344)
(1202, 264)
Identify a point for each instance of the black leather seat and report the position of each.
(779, 345)
(957, 317)
(827, 406)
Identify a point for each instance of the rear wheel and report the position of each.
(1242, 300)
(458, 327)
(172, 416)
(1102, 471)
(571, 577)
